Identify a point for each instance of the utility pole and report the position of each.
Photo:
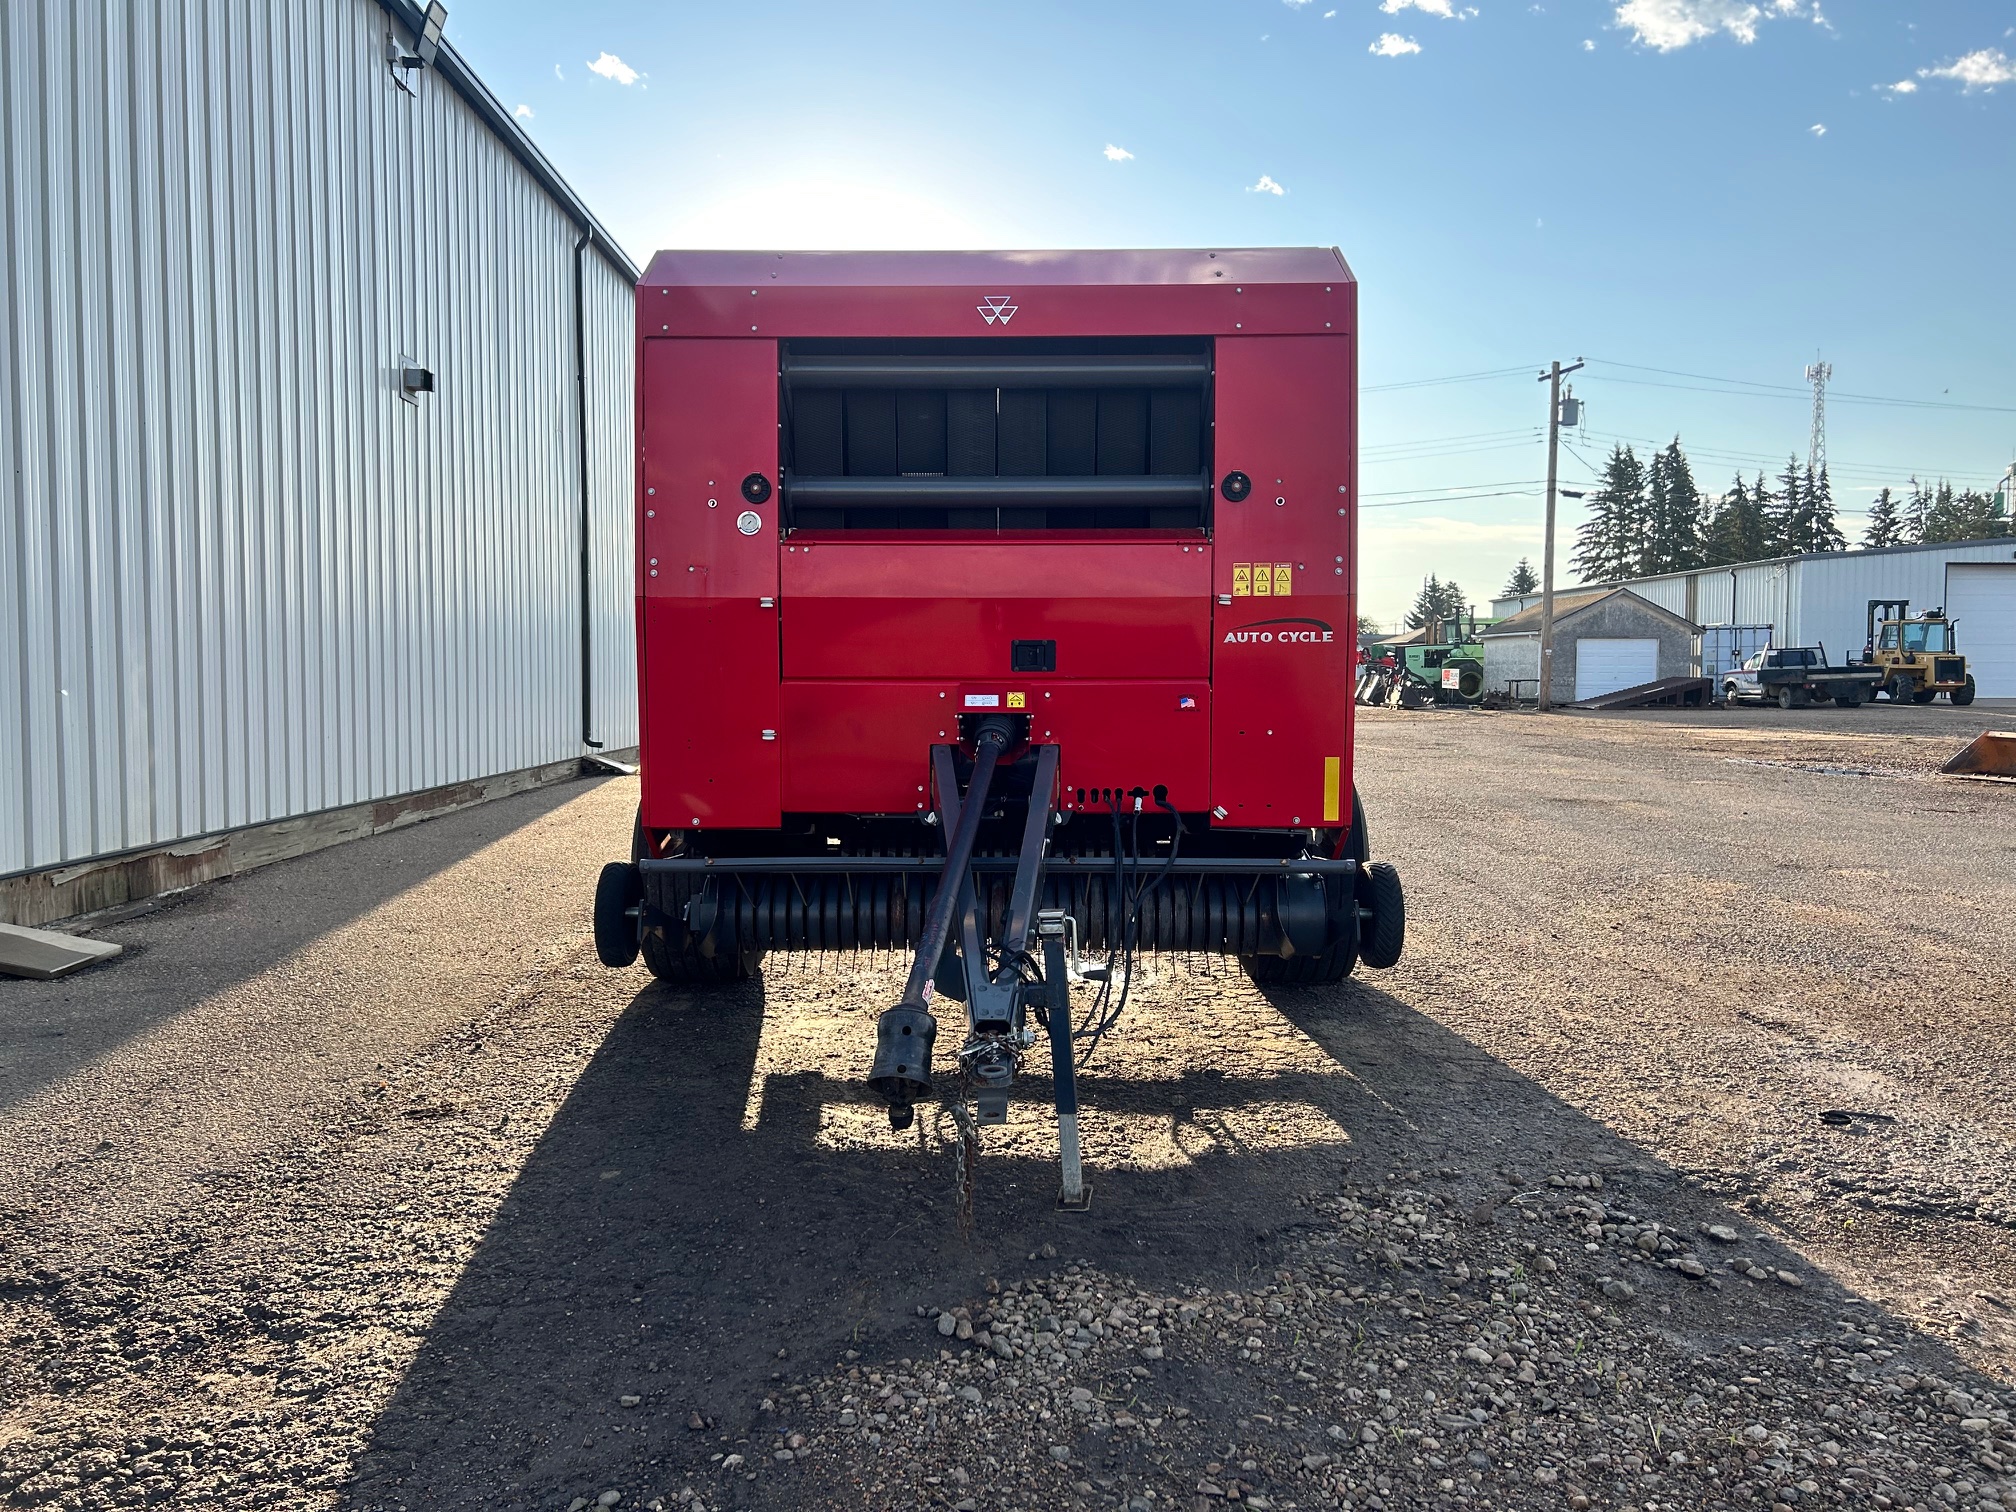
(1552, 378)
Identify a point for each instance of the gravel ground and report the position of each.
(357, 1184)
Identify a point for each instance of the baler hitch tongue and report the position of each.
(901, 1072)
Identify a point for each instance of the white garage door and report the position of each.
(1604, 666)
(1981, 596)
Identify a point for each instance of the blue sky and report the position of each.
(1706, 187)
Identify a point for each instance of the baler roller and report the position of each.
(1230, 912)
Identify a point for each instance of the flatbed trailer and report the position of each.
(1796, 676)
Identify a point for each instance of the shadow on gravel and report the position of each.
(225, 933)
(655, 1247)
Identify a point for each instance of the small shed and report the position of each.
(1605, 639)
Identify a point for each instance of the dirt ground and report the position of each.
(1671, 1168)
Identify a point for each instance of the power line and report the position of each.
(1787, 391)
(1413, 383)
(1523, 430)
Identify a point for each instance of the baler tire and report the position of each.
(1324, 970)
(618, 893)
(689, 968)
(1358, 843)
(1384, 935)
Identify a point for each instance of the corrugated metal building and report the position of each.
(1823, 598)
(245, 573)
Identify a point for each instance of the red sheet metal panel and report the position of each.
(1110, 734)
(1283, 646)
(1115, 293)
(952, 606)
(708, 660)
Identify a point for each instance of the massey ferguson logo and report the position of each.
(995, 309)
(1284, 632)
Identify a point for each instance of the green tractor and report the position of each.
(1447, 667)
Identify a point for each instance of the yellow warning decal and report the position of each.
(1263, 581)
(1284, 579)
(1018, 700)
(1242, 579)
(1333, 782)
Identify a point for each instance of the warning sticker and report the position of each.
(1284, 579)
(983, 700)
(1263, 581)
(1242, 579)
(1018, 700)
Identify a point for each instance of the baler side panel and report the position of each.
(711, 680)
(1282, 662)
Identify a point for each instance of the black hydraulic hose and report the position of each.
(958, 857)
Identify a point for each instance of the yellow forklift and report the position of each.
(1918, 655)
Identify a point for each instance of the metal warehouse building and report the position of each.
(315, 419)
(1824, 599)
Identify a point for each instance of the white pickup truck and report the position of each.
(1794, 676)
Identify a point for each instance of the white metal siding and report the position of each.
(1981, 597)
(1835, 591)
(240, 577)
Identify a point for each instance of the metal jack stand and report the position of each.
(1073, 1195)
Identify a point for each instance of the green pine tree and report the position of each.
(1607, 545)
(1453, 602)
(1886, 526)
(1677, 515)
(1968, 515)
(1816, 515)
(1915, 508)
(1427, 603)
(1736, 531)
(1784, 533)
(1524, 580)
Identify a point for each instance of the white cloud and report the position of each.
(1446, 9)
(1266, 186)
(523, 112)
(1294, 4)
(1668, 24)
(559, 75)
(1817, 129)
(612, 67)
(1118, 154)
(1902, 86)
(1328, 14)
(1587, 45)
(1978, 70)
(1393, 45)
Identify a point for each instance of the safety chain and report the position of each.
(966, 1158)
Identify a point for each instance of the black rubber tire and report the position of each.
(688, 968)
(1787, 699)
(1358, 843)
(1899, 689)
(1924, 695)
(618, 891)
(1383, 936)
(1964, 695)
(1729, 698)
(1323, 970)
